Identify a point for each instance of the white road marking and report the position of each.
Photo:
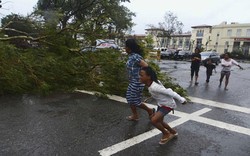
(193, 99)
(222, 125)
(112, 97)
(184, 117)
(142, 137)
(220, 105)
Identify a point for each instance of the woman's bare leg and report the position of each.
(156, 120)
(134, 112)
(146, 108)
(227, 81)
(171, 130)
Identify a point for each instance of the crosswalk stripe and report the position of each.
(220, 105)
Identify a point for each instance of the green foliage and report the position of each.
(16, 25)
(18, 22)
(92, 19)
(53, 62)
(149, 41)
(238, 54)
(12, 73)
(47, 70)
(107, 74)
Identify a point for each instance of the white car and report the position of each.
(107, 43)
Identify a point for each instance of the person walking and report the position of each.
(226, 64)
(159, 55)
(134, 91)
(165, 101)
(209, 68)
(195, 65)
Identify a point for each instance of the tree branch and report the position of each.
(14, 30)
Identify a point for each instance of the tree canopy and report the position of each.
(90, 18)
(170, 25)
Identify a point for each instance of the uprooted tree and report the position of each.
(40, 53)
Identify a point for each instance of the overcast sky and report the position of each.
(189, 12)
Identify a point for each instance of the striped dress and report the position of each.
(135, 87)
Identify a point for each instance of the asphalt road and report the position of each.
(216, 123)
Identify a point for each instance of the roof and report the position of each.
(154, 29)
(135, 35)
(202, 26)
(181, 35)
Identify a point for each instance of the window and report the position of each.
(180, 42)
(199, 43)
(187, 42)
(248, 32)
(229, 32)
(199, 33)
(210, 30)
(238, 33)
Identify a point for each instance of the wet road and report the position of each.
(239, 82)
(82, 124)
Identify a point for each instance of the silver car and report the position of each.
(214, 56)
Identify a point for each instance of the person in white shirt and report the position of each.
(226, 64)
(165, 98)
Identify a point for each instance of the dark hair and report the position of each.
(209, 59)
(150, 72)
(133, 46)
(228, 54)
(197, 48)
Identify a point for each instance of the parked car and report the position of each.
(182, 55)
(106, 43)
(163, 49)
(167, 54)
(214, 56)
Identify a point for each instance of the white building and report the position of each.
(180, 41)
(221, 38)
(231, 37)
(156, 33)
(201, 36)
(176, 41)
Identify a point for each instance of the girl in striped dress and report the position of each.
(134, 91)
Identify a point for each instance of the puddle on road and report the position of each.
(54, 113)
(174, 63)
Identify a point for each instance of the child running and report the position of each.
(165, 101)
(210, 67)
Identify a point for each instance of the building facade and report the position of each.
(221, 38)
(231, 37)
(180, 41)
(201, 37)
(176, 41)
(155, 33)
